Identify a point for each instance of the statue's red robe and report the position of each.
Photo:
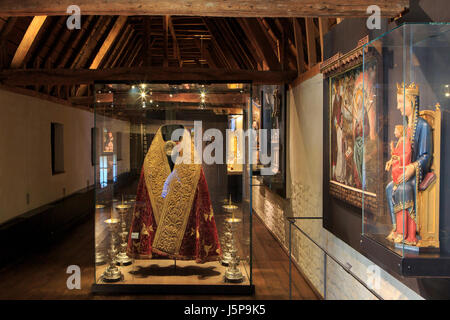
(179, 224)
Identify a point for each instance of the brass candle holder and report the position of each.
(226, 239)
(112, 272)
(233, 274)
(100, 258)
(122, 258)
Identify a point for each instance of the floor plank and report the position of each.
(42, 275)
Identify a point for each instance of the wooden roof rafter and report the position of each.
(217, 38)
(27, 41)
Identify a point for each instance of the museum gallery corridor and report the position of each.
(42, 275)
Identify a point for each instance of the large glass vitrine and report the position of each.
(173, 196)
(403, 149)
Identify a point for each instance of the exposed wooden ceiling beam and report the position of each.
(219, 42)
(92, 40)
(8, 27)
(166, 41)
(176, 48)
(87, 76)
(118, 47)
(323, 29)
(218, 8)
(50, 44)
(128, 52)
(230, 98)
(75, 42)
(115, 62)
(311, 42)
(104, 49)
(112, 36)
(147, 49)
(27, 41)
(234, 33)
(205, 53)
(301, 65)
(6, 30)
(254, 29)
(253, 45)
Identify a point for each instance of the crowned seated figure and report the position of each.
(401, 194)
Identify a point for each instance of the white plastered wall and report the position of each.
(25, 152)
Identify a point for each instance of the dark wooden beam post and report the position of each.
(147, 48)
(311, 41)
(123, 49)
(217, 41)
(254, 28)
(7, 28)
(205, 53)
(323, 29)
(301, 65)
(166, 40)
(176, 48)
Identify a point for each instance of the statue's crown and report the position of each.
(411, 89)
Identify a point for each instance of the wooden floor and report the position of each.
(43, 275)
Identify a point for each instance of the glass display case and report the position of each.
(401, 149)
(168, 219)
(269, 115)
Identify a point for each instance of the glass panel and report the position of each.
(269, 118)
(173, 197)
(403, 128)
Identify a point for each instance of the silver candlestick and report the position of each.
(100, 258)
(122, 258)
(112, 272)
(99, 255)
(229, 208)
(233, 274)
(226, 245)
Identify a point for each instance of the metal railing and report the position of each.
(292, 222)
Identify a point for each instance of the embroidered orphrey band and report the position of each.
(171, 213)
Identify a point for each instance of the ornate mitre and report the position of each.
(411, 89)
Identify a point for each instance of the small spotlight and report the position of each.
(447, 94)
(133, 86)
(143, 86)
(203, 94)
(151, 101)
(171, 95)
(143, 94)
(143, 105)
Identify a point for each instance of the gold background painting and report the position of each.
(354, 135)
